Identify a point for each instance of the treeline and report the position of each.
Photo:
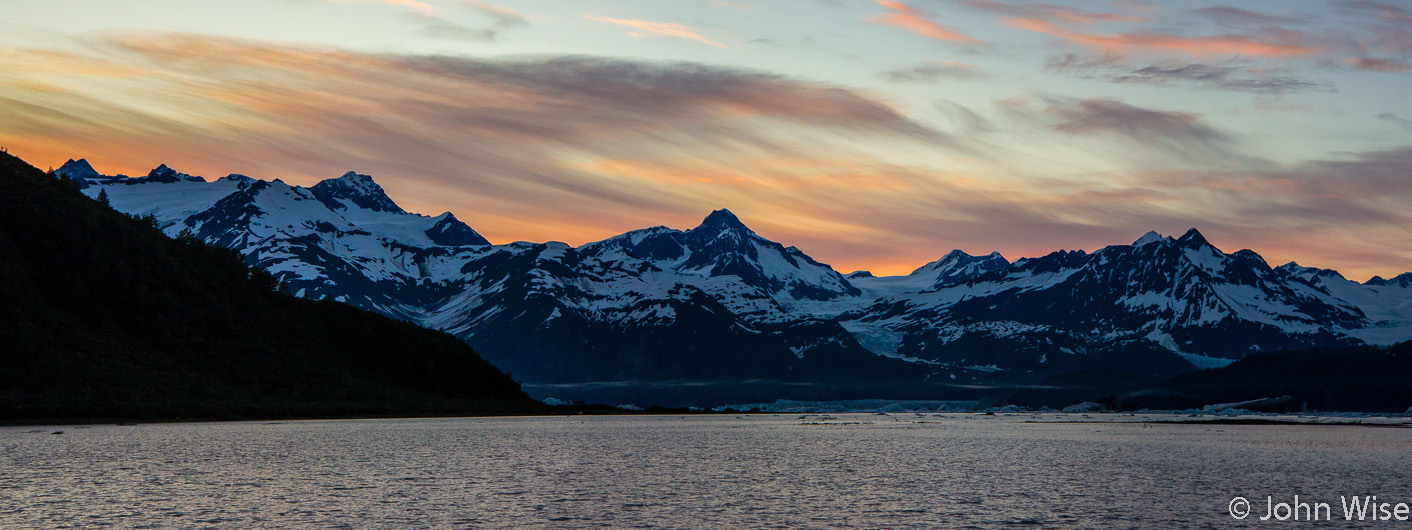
(103, 316)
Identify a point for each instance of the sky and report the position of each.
(872, 134)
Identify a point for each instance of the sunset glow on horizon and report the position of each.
(874, 135)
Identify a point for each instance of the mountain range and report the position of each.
(717, 304)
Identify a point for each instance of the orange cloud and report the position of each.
(667, 29)
(1120, 43)
(914, 20)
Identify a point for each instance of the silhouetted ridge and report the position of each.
(107, 317)
(722, 219)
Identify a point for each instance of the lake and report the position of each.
(902, 470)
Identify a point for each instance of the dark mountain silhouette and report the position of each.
(106, 317)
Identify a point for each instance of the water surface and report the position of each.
(760, 471)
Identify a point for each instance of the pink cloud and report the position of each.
(914, 20)
(1121, 43)
(666, 29)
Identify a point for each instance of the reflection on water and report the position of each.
(782, 471)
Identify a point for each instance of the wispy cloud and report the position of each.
(1393, 118)
(933, 72)
(1124, 43)
(1263, 81)
(916, 21)
(1234, 17)
(415, 5)
(1144, 137)
(503, 16)
(664, 29)
(610, 142)
(581, 148)
(1376, 64)
(1050, 12)
(1386, 11)
(1112, 116)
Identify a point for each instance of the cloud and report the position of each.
(1387, 12)
(582, 148)
(1145, 41)
(437, 27)
(935, 71)
(666, 29)
(1088, 116)
(727, 4)
(504, 17)
(1374, 64)
(1044, 11)
(1208, 76)
(1227, 16)
(916, 21)
(1140, 137)
(1393, 118)
(495, 140)
(416, 6)
(1223, 78)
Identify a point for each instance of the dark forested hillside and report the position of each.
(102, 316)
(1360, 378)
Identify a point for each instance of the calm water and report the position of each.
(779, 471)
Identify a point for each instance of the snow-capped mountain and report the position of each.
(720, 302)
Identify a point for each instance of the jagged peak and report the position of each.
(1193, 239)
(450, 231)
(162, 173)
(77, 169)
(353, 181)
(722, 219)
(954, 256)
(1150, 237)
(1309, 272)
(359, 188)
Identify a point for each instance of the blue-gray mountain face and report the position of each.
(719, 302)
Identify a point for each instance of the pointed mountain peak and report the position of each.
(1150, 237)
(723, 219)
(451, 232)
(357, 188)
(1193, 239)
